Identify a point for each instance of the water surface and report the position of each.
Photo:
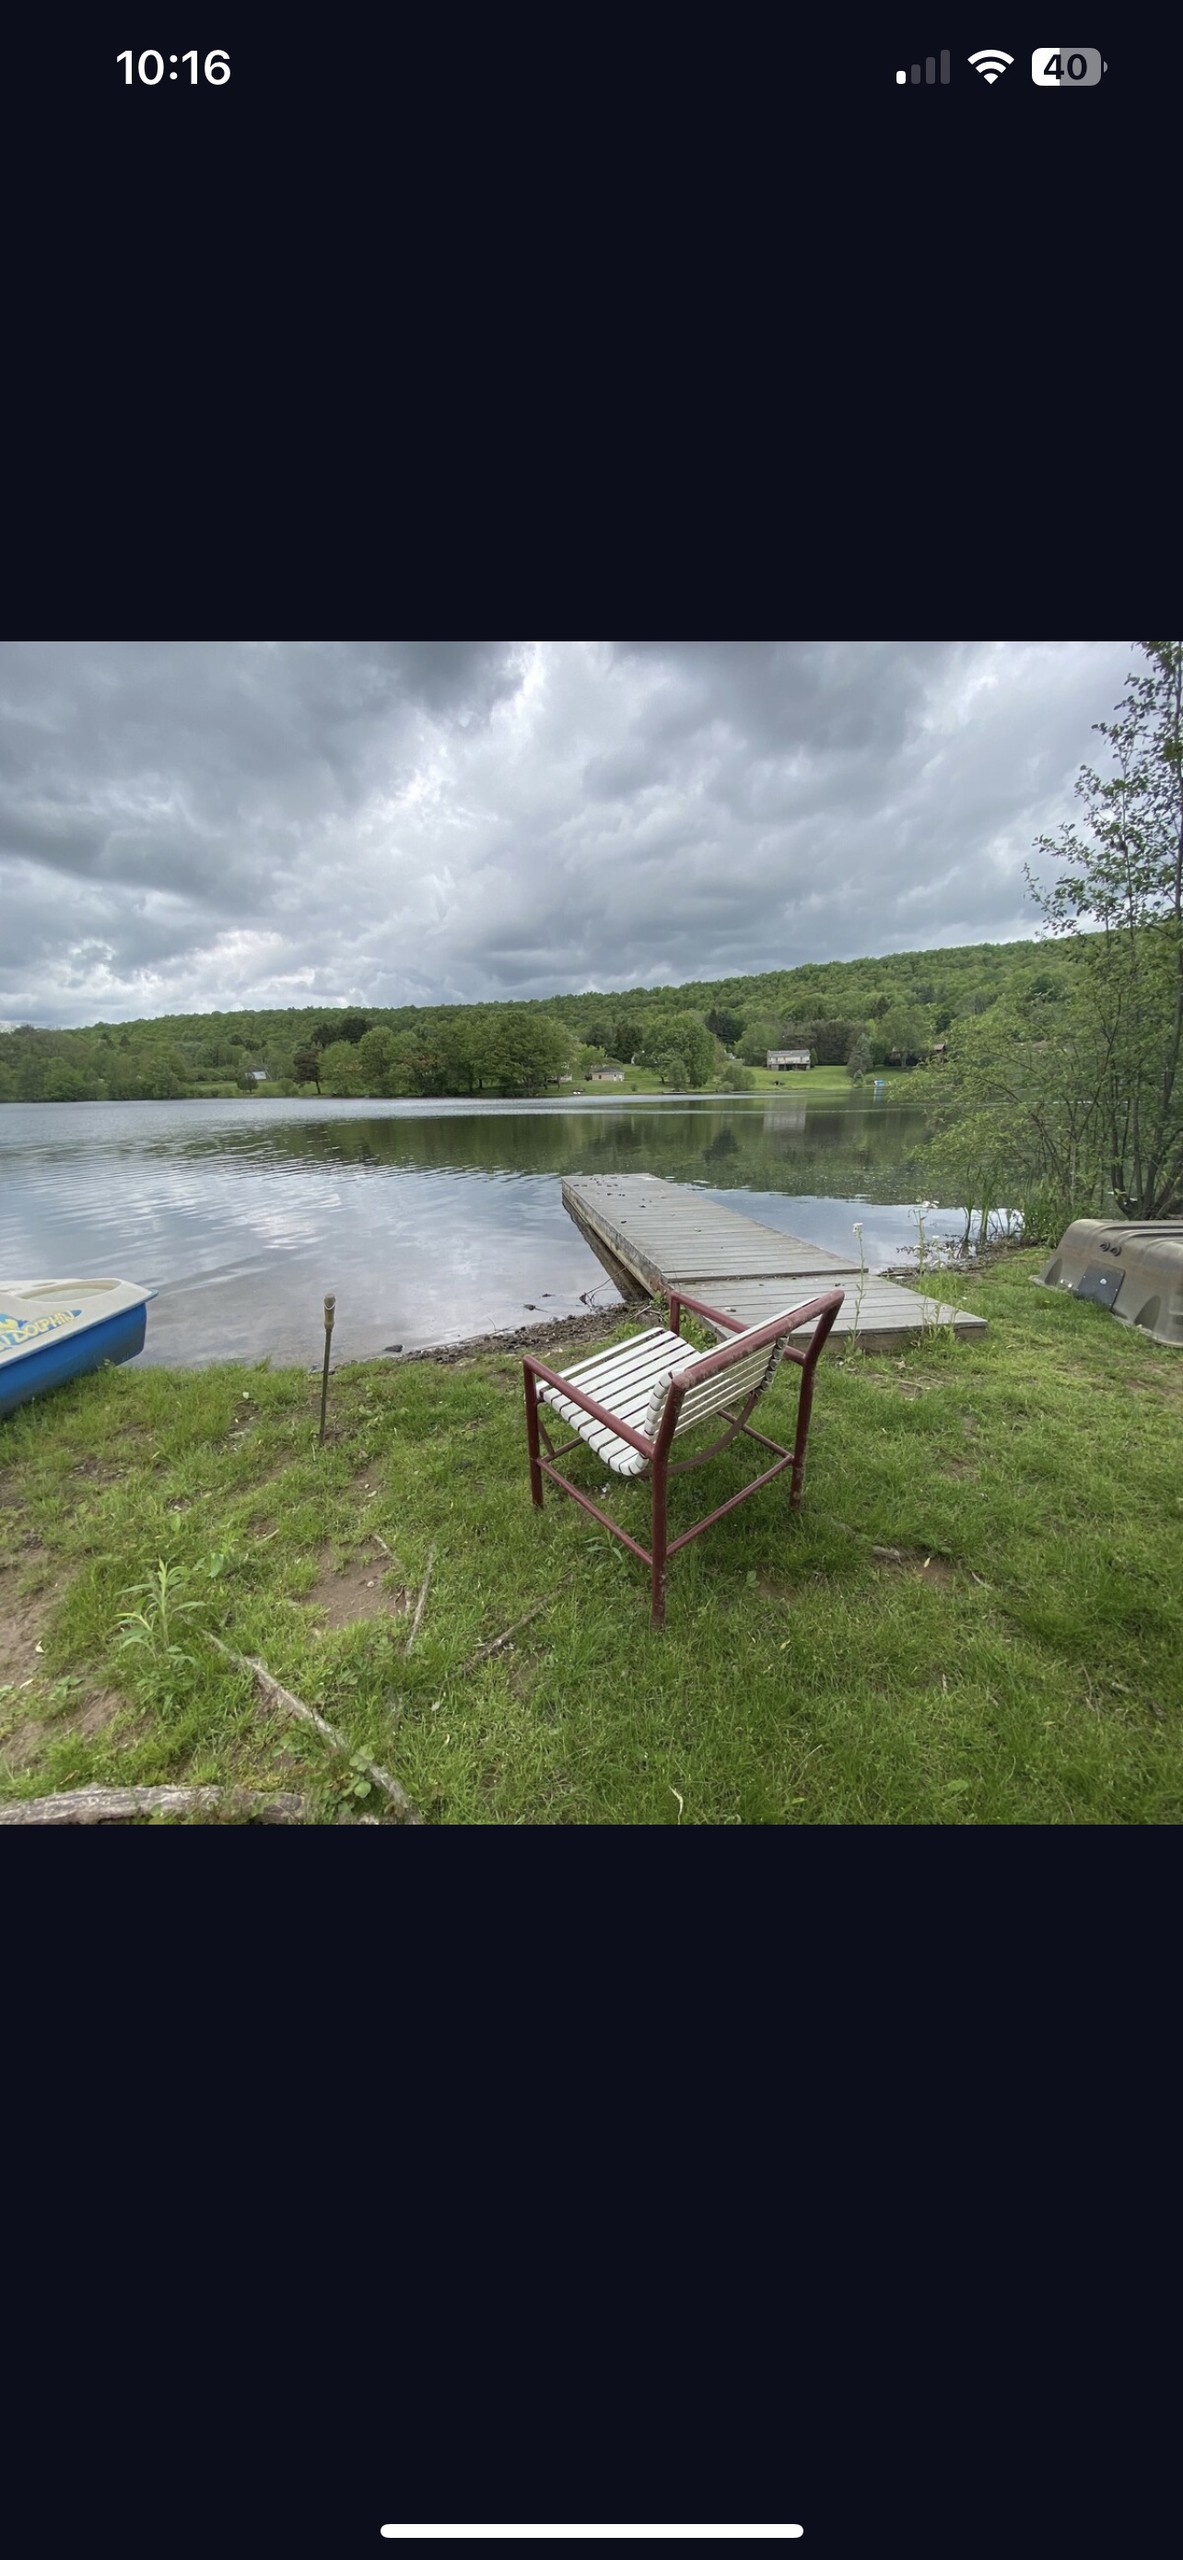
(430, 1221)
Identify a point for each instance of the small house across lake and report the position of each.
(778, 1058)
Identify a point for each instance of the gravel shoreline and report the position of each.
(587, 1329)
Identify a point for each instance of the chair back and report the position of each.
(745, 1373)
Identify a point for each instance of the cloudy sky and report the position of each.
(190, 825)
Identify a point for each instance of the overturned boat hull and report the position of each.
(1134, 1269)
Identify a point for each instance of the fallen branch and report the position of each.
(276, 1696)
(483, 1651)
(889, 1555)
(122, 1804)
(886, 1555)
(419, 1606)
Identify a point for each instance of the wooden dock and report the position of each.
(653, 1236)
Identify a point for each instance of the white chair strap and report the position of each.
(730, 1386)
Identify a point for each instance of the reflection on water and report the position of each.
(430, 1221)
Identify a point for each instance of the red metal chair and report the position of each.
(630, 1404)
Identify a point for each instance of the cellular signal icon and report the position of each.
(930, 72)
(991, 62)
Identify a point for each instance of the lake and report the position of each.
(431, 1221)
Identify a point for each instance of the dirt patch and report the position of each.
(342, 1599)
(33, 1737)
(1168, 1388)
(957, 1467)
(98, 1709)
(23, 1617)
(25, 1745)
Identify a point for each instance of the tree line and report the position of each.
(891, 1011)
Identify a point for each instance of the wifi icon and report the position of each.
(991, 62)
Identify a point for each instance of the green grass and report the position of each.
(827, 1081)
(1015, 1658)
(898, 1080)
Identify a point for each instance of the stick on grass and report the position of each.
(420, 1605)
(276, 1695)
(483, 1651)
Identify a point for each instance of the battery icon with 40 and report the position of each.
(1058, 67)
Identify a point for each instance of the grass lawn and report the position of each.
(898, 1081)
(809, 1080)
(976, 1618)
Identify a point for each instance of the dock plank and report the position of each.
(656, 1236)
(889, 1314)
(685, 1233)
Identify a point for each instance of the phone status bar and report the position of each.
(1052, 67)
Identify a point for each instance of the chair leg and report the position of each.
(657, 1569)
(804, 1408)
(532, 1442)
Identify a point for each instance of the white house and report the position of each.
(778, 1058)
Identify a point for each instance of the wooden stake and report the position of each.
(330, 1310)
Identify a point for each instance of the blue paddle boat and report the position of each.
(51, 1330)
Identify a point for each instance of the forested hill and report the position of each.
(902, 1004)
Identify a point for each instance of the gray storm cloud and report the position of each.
(191, 825)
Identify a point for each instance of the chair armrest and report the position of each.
(699, 1307)
(826, 1307)
(599, 1412)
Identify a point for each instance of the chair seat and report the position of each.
(624, 1380)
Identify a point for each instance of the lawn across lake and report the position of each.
(977, 1617)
